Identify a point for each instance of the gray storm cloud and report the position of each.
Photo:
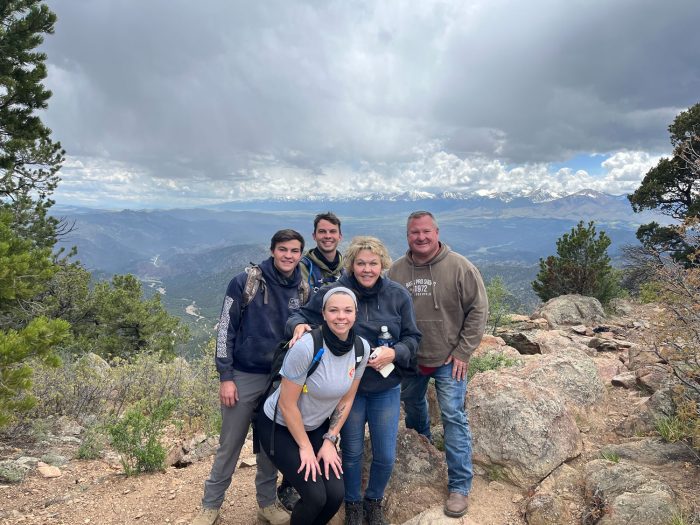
(217, 91)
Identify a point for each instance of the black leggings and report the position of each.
(320, 500)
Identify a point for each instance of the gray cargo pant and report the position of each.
(234, 429)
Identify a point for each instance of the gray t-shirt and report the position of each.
(330, 381)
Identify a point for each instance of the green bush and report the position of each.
(649, 292)
(94, 442)
(581, 266)
(10, 473)
(490, 361)
(136, 437)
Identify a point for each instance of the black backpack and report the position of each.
(276, 378)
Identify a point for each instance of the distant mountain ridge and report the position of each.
(189, 254)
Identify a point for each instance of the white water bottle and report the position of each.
(384, 339)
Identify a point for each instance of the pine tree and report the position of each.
(29, 163)
(581, 266)
(672, 187)
(29, 159)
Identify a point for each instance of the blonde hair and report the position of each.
(371, 244)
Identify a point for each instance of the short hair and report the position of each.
(421, 213)
(284, 236)
(364, 242)
(328, 216)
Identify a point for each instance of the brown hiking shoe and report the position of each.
(456, 505)
(206, 517)
(275, 514)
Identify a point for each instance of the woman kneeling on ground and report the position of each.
(382, 303)
(311, 411)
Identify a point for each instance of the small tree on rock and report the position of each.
(581, 266)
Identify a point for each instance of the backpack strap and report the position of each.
(254, 280)
(304, 292)
(315, 361)
(359, 351)
(315, 280)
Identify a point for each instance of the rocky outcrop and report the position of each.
(419, 478)
(646, 413)
(571, 310)
(652, 451)
(573, 376)
(523, 430)
(628, 493)
(544, 342)
(546, 509)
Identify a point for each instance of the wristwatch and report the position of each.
(332, 438)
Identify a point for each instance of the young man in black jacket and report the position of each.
(252, 322)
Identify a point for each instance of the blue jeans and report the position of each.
(381, 411)
(458, 439)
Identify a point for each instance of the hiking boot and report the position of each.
(373, 512)
(206, 517)
(274, 514)
(456, 505)
(288, 496)
(353, 513)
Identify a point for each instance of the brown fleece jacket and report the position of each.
(450, 302)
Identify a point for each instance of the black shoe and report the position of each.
(353, 513)
(373, 512)
(288, 496)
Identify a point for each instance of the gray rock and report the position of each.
(654, 378)
(419, 478)
(625, 380)
(520, 428)
(546, 509)
(608, 367)
(571, 310)
(572, 375)
(644, 416)
(652, 451)
(564, 481)
(543, 342)
(629, 493)
(641, 357)
(523, 342)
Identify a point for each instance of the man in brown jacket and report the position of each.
(451, 308)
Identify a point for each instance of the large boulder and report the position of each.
(572, 375)
(520, 429)
(571, 310)
(419, 478)
(628, 494)
(543, 342)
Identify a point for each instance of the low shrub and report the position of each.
(136, 437)
(490, 361)
(93, 444)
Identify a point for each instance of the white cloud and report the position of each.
(252, 99)
(95, 181)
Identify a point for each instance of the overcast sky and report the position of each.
(165, 103)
